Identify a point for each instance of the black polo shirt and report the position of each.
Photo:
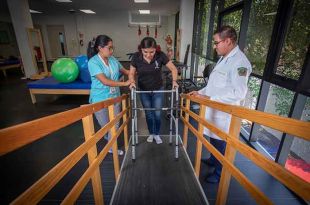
(149, 74)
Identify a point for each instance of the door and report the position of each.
(57, 41)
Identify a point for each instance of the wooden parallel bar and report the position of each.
(82, 182)
(247, 184)
(296, 184)
(202, 113)
(39, 189)
(89, 131)
(230, 153)
(14, 137)
(185, 129)
(114, 147)
(288, 125)
(124, 104)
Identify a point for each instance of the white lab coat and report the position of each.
(227, 85)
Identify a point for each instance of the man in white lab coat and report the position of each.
(227, 84)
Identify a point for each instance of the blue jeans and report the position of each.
(220, 145)
(102, 117)
(153, 118)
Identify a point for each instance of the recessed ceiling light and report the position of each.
(87, 11)
(64, 1)
(144, 11)
(34, 11)
(141, 1)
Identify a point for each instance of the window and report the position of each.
(254, 85)
(279, 101)
(233, 19)
(262, 16)
(205, 27)
(230, 2)
(296, 43)
(298, 161)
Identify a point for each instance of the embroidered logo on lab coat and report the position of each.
(242, 71)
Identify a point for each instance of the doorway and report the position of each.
(57, 41)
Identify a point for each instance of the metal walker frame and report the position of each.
(175, 119)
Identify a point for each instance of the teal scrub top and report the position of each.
(99, 91)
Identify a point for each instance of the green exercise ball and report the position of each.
(65, 70)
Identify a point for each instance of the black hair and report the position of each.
(227, 32)
(148, 42)
(101, 40)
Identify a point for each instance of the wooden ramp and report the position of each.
(157, 178)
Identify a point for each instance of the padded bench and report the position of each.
(50, 86)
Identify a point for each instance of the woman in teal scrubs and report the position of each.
(105, 71)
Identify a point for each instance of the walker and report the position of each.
(175, 119)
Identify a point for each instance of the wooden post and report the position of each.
(202, 113)
(33, 97)
(126, 127)
(185, 130)
(114, 147)
(88, 127)
(230, 153)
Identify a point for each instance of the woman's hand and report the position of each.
(175, 85)
(128, 82)
(132, 85)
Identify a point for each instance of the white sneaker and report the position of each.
(150, 138)
(120, 152)
(158, 139)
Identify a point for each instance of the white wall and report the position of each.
(186, 20)
(19, 12)
(68, 21)
(125, 38)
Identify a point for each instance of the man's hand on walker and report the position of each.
(193, 93)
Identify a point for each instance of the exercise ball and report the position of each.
(82, 63)
(65, 70)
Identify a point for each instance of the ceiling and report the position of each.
(50, 7)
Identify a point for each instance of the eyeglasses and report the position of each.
(110, 48)
(217, 42)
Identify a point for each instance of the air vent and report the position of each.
(151, 20)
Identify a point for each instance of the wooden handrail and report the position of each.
(14, 137)
(291, 126)
(241, 178)
(82, 182)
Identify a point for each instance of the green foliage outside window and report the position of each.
(296, 43)
(283, 101)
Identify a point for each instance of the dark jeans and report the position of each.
(220, 145)
(153, 118)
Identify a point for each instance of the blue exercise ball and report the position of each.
(82, 62)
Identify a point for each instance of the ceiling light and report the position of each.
(87, 11)
(144, 11)
(34, 11)
(141, 1)
(64, 1)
